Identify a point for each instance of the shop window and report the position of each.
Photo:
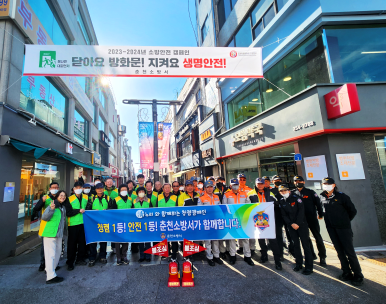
(50, 22)
(80, 129)
(34, 184)
(245, 164)
(40, 97)
(246, 105)
(357, 52)
(380, 142)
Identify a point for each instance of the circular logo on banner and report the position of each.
(233, 54)
(163, 236)
(140, 214)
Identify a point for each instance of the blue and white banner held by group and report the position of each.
(143, 61)
(218, 222)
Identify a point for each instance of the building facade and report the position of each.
(310, 48)
(52, 128)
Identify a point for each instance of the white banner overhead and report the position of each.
(130, 61)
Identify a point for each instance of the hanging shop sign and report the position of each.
(69, 148)
(142, 61)
(342, 101)
(207, 153)
(207, 134)
(114, 171)
(247, 133)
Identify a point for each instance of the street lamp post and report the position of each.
(153, 103)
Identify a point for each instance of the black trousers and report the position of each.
(274, 247)
(134, 247)
(174, 246)
(279, 224)
(121, 253)
(343, 243)
(142, 248)
(102, 251)
(302, 235)
(313, 224)
(76, 244)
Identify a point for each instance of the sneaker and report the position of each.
(125, 261)
(346, 277)
(91, 263)
(307, 271)
(297, 268)
(70, 267)
(278, 266)
(232, 260)
(119, 262)
(218, 261)
(227, 254)
(357, 281)
(240, 251)
(210, 262)
(55, 280)
(141, 260)
(103, 261)
(42, 267)
(249, 261)
(223, 256)
(322, 262)
(81, 262)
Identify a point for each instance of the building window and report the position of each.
(104, 153)
(82, 82)
(198, 95)
(280, 4)
(80, 129)
(243, 38)
(231, 43)
(261, 16)
(50, 22)
(40, 97)
(102, 97)
(185, 146)
(83, 26)
(303, 67)
(95, 118)
(112, 140)
(101, 124)
(357, 52)
(204, 30)
(113, 160)
(93, 146)
(380, 142)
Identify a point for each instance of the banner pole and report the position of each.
(155, 145)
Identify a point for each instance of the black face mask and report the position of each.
(300, 185)
(277, 183)
(219, 185)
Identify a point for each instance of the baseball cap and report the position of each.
(266, 178)
(188, 182)
(328, 180)
(86, 186)
(241, 175)
(209, 183)
(193, 178)
(276, 177)
(282, 188)
(234, 181)
(259, 180)
(211, 178)
(298, 178)
(99, 186)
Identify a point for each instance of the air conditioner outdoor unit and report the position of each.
(122, 129)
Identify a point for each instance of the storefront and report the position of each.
(114, 174)
(346, 147)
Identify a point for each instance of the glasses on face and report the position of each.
(176, 186)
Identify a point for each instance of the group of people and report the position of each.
(296, 212)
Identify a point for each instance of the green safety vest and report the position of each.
(133, 195)
(77, 219)
(121, 204)
(153, 199)
(172, 202)
(145, 204)
(50, 228)
(96, 205)
(113, 193)
(46, 203)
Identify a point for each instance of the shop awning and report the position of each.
(79, 163)
(27, 147)
(179, 173)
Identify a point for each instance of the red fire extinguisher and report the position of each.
(174, 275)
(187, 274)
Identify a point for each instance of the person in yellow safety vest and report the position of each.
(243, 187)
(158, 187)
(267, 182)
(130, 190)
(150, 194)
(194, 179)
(139, 203)
(87, 190)
(141, 181)
(110, 190)
(100, 202)
(263, 195)
(122, 201)
(176, 189)
(236, 196)
(221, 188)
(200, 187)
(41, 205)
(190, 197)
(212, 247)
(51, 229)
(76, 241)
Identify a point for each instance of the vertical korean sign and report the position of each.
(146, 144)
(163, 135)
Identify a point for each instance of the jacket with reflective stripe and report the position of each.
(235, 198)
(76, 204)
(186, 200)
(253, 197)
(206, 199)
(172, 202)
(121, 204)
(113, 193)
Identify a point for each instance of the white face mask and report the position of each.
(123, 193)
(96, 182)
(87, 191)
(286, 195)
(54, 191)
(141, 194)
(200, 186)
(78, 191)
(327, 188)
(181, 188)
(235, 187)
